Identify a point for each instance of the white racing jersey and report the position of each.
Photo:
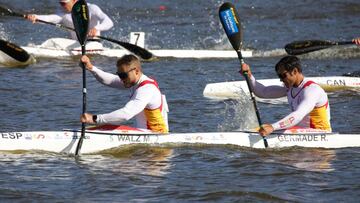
(309, 104)
(98, 20)
(146, 103)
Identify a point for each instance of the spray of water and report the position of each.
(3, 35)
(239, 114)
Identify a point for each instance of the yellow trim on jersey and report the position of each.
(319, 118)
(155, 120)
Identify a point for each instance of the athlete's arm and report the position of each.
(137, 103)
(53, 18)
(262, 91)
(106, 78)
(105, 22)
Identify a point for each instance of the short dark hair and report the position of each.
(126, 60)
(288, 63)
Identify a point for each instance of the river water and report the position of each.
(47, 96)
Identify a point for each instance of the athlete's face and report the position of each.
(289, 78)
(129, 74)
(67, 6)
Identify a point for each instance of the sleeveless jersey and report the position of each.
(154, 118)
(317, 118)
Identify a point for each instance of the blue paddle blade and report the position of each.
(80, 17)
(231, 24)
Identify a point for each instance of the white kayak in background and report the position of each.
(236, 89)
(105, 138)
(60, 47)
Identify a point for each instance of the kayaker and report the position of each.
(308, 101)
(99, 21)
(146, 103)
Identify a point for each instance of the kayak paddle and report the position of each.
(303, 47)
(18, 54)
(80, 17)
(139, 51)
(231, 23)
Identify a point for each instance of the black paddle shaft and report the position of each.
(231, 23)
(139, 51)
(80, 17)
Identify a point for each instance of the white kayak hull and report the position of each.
(235, 89)
(199, 54)
(60, 47)
(95, 141)
(39, 52)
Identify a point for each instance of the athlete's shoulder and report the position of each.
(308, 83)
(311, 87)
(311, 84)
(93, 7)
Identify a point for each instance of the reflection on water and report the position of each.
(311, 159)
(220, 173)
(134, 160)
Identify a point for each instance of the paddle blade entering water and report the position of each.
(80, 17)
(231, 24)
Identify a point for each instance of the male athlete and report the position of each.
(146, 103)
(308, 101)
(99, 21)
